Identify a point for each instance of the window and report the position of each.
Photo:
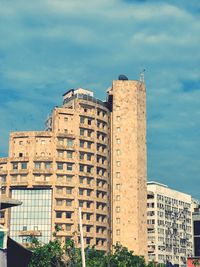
(68, 178)
(81, 155)
(81, 143)
(81, 168)
(68, 227)
(81, 131)
(89, 133)
(118, 152)
(89, 121)
(118, 163)
(20, 155)
(88, 193)
(81, 204)
(59, 202)
(87, 240)
(60, 154)
(60, 166)
(118, 220)
(81, 191)
(82, 119)
(88, 229)
(14, 178)
(118, 118)
(59, 178)
(69, 166)
(88, 216)
(118, 129)
(68, 215)
(47, 178)
(69, 190)
(47, 165)
(89, 144)
(65, 119)
(2, 179)
(89, 169)
(20, 142)
(58, 214)
(42, 142)
(15, 166)
(24, 165)
(68, 203)
(118, 141)
(89, 156)
(60, 141)
(69, 154)
(88, 205)
(81, 179)
(38, 165)
(59, 190)
(117, 107)
(70, 142)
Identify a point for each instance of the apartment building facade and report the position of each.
(169, 222)
(91, 155)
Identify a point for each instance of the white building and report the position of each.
(169, 220)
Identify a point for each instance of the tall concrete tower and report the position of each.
(128, 165)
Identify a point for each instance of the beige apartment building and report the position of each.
(91, 155)
(169, 222)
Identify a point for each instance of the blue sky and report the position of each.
(50, 46)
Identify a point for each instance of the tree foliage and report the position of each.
(54, 254)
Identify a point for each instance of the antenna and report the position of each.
(142, 76)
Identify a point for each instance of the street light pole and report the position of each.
(81, 235)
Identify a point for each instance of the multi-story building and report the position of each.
(196, 228)
(169, 222)
(92, 155)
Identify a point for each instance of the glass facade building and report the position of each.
(33, 217)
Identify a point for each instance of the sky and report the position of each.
(50, 46)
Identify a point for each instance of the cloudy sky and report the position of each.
(50, 46)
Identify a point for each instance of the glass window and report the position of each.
(81, 131)
(69, 190)
(38, 165)
(47, 165)
(82, 119)
(15, 166)
(69, 166)
(69, 154)
(70, 142)
(89, 156)
(89, 169)
(2, 179)
(81, 179)
(81, 191)
(81, 155)
(58, 214)
(81, 167)
(68, 215)
(60, 154)
(81, 143)
(60, 141)
(68, 227)
(68, 203)
(60, 166)
(89, 144)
